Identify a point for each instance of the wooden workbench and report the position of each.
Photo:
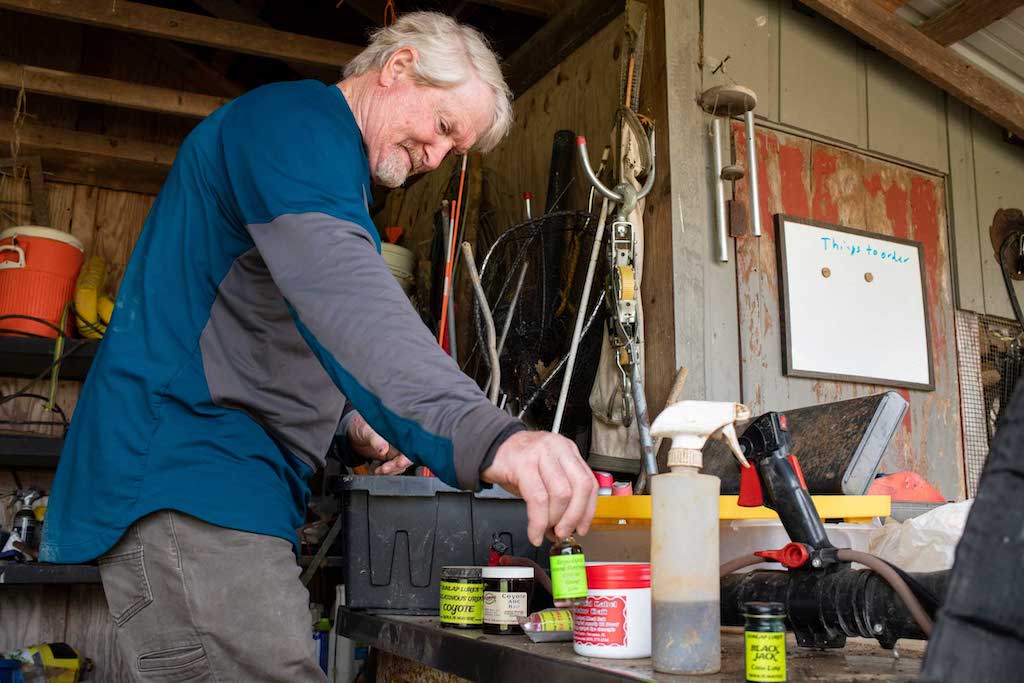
(476, 657)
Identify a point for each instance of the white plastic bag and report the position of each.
(923, 544)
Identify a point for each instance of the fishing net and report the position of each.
(555, 249)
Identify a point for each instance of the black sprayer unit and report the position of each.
(826, 599)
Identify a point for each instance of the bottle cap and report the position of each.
(764, 609)
(456, 573)
(622, 488)
(605, 575)
(507, 572)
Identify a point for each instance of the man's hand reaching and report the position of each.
(367, 443)
(546, 471)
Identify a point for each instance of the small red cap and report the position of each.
(621, 575)
(581, 140)
(622, 488)
(527, 195)
(791, 555)
(604, 479)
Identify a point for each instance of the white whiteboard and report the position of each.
(853, 305)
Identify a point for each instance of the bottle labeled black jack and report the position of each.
(568, 573)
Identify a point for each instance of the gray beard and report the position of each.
(391, 171)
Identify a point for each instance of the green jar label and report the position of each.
(462, 603)
(766, 657)
(568, 577)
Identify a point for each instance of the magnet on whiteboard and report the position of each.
(825, 272)
(869, 277)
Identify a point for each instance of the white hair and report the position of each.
(449, 54)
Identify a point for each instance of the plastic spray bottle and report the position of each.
(685, 618)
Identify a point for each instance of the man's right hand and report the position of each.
(546, 471)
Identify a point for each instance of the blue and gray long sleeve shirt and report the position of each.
(254, 306)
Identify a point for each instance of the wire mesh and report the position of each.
(991, 362)
(545, 312)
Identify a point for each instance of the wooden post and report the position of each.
(689, 299)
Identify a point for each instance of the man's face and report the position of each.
(413, 127)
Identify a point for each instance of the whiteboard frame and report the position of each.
(780, 230)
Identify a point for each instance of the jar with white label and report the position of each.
(507, 593)
(615, 622)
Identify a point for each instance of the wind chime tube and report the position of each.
(581, 314)
(755, 202)
(716, 155)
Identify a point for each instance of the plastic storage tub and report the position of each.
(399, 532)
(746, 536)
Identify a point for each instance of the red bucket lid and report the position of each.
(603, 576)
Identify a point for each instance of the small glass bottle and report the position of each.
(568, 573)
(765, 642)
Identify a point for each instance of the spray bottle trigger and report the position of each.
(728, 434)
(751, 495)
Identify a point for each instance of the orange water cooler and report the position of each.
(38, 269)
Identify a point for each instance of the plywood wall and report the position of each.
(108, 223)
(578, 95)
(76, 615)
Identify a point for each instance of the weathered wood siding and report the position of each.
(814, 180)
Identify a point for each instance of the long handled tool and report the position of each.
(622, 294)
(450, 261)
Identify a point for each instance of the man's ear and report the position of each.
(399, 65)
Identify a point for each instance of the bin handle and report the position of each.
(20, 263)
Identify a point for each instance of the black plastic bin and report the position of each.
(400, 531)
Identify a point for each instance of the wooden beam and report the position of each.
(965, 18)
(197, 74)
(192, 28)
(922, 55)
(90, 159)
(574, 24)
(891, 5)
(542, 8)
(107, 91)
(233, 11)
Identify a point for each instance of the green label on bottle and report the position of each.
(568, 577)
(766, 657)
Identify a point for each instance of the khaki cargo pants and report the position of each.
(197, 602)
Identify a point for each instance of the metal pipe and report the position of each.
(755, 198)
(720, 218)
(508, 317)
(485, 311)
(580, 316)
(643, 420)
(581, 144)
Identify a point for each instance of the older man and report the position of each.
(255, 315)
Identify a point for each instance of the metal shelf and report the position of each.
(39, 573)
(29, 451)
(30, 356)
